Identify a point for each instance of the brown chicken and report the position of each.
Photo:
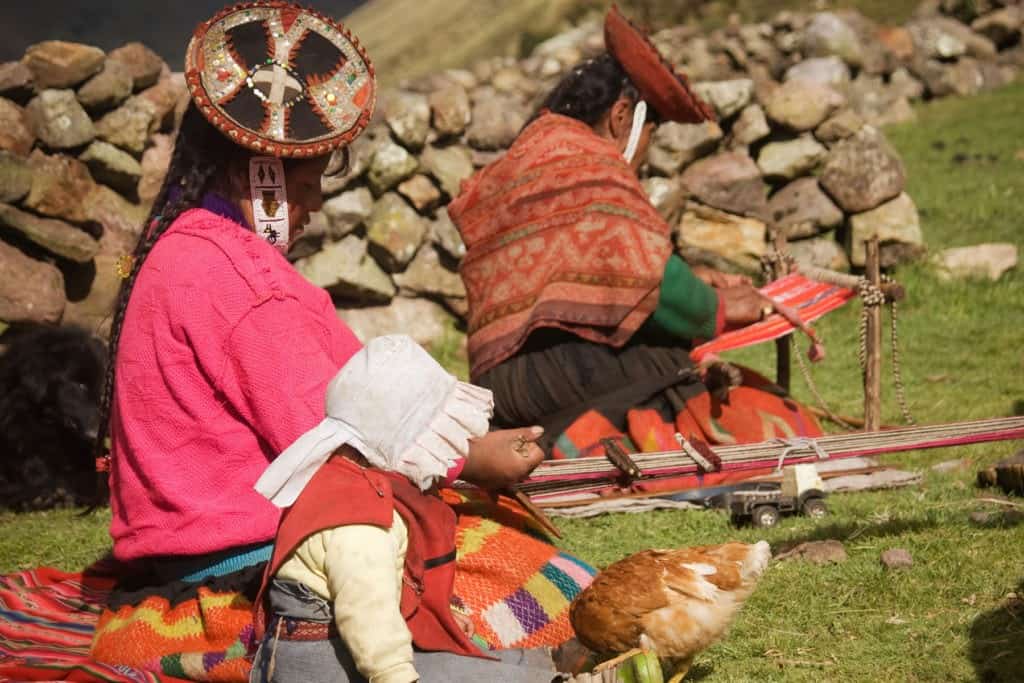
(673, 602)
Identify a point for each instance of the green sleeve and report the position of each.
(687, 307)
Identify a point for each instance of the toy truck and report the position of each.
(802, 492)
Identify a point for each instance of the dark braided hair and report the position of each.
(200, 153)
(590, 89)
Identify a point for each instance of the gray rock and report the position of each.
(727, 97)
(801, 105)
(750, 126)
(666, 195)
(738, 239)
(30, 290)
(167, 96)
(107, 89)
(55, 236)
(427, 276)
(423, 320)
(496, 123)
(114, 212)
(816, 552)
(902, 83)
(15, 177)
(448, 165)
(347, 211)
(895, 221)
(155, 161)
(143, 65)
(58, 119)
(408, 116)
(839, 126)
(345, 270)
(59, 64)
(801, 209)
(391, 164)
(395, 232)
(130, 125)
(988, 261)
(511, 81)
(451, 110)
(965, 77)
(944, 38)
(112, 166)
(446, 237)
(821, 252)
(827, 34)
(897, 558)
(60, 186)
(674, 145)
(730, 181)
(15, 81)
(898, 111)
(1002, 27)
(93, 311)
(16, 134)
(830, 71)
(790, 158)
(420, 192)
(863, 171)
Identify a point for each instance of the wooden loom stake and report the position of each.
(873, 352)
(782, 345)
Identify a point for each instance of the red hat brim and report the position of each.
(661, 87)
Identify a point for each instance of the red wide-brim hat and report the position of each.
(660, 86)
(280, 79)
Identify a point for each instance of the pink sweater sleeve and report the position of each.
(278, 361)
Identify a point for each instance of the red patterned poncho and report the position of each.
(559, 233)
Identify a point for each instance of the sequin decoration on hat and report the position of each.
(280, 79)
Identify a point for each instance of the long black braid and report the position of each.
(589, 90)
(200, 153)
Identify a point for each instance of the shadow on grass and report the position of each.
(997, 641)
(853, 531)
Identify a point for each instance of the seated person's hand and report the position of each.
(503, 458)
(464, 622)
(743, 305)
(718, 279)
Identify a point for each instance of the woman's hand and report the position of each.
(464, 622)
(718, 279)
(500, 459)
(743, 305)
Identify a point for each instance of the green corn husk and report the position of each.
(641, 668)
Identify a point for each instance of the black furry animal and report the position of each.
(51, 379)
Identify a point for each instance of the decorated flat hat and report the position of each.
(281, 79)
(660, 86)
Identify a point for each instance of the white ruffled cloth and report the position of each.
(394, 404)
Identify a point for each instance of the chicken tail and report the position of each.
(756, 561)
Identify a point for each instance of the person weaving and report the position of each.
(360, 583)
(581, 317)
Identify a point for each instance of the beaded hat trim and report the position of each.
(281, 79)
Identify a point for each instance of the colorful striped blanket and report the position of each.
(47, 619)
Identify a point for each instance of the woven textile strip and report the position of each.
(513, 584)
(559, 233)
(47, 618)
(810, 299)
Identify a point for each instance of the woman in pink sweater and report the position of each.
(221, 351)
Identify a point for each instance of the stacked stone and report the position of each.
(797, 149)
(84, 144)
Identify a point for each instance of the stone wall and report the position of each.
(85, 138)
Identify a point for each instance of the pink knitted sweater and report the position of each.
(224, 358)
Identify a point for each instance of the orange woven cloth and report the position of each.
(559, 233)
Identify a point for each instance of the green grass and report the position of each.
(945, 619)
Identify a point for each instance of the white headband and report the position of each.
(394, 404)
(639, 118)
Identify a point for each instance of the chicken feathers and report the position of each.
(676, 601)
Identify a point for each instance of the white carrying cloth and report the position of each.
(394, 404)
(633, 142)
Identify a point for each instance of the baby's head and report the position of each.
(396, 407)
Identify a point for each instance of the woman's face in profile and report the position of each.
(302, 183)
